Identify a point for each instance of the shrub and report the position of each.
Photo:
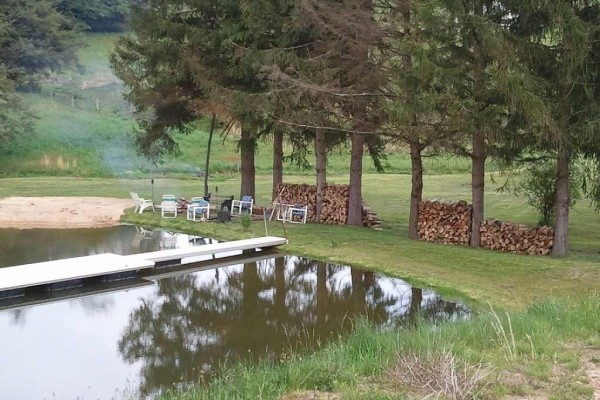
(245, 222)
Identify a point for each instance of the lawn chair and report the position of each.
(245, 204)
(198, 206)
(141, 204)
(168, 206)
(297, 214)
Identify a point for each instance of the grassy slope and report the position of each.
(85, 141)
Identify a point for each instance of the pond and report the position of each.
(137, 341)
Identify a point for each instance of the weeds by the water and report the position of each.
(439, 375)
(507, 340)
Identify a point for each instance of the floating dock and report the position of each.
(176, 255)
(51, 272)
(70, 272)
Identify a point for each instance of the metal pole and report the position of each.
(152, 181)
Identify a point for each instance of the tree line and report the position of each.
(510, 80)
(513, 80)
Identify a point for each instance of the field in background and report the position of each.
(83, 129)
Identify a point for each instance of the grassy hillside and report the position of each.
(83, 126)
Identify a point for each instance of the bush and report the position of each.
(539, 185)
(245, 222)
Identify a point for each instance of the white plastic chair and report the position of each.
(297, 214)
(168, 206)
(141, 204)
(245, 204)
(198, 206)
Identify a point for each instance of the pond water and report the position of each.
(137, 341)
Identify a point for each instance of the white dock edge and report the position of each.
(42, 273)
(206, 249)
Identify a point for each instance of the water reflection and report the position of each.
(192, 324)
(37, 245)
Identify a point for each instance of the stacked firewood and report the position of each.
(516, 238)
(334, 210)
(370, 219)
(335, 204)
(304, 195)
(445, 222)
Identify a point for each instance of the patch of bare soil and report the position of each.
(310, 395)
(591, 364)
(61, 212)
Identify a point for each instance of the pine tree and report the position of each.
(34, 40)
(341, 75)
(563, 52)
(197, 57)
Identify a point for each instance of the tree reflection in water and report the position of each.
(195, 323)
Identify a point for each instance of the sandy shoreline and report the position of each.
(61, 212)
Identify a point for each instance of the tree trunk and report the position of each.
(281, 310)
(416, 192)
(321, 155)
(207, 165)
(277, 162)
(321, 293)
(355, 190)
(247, 145)
(415, 305)
(358, 293)
(478, 187)
(478, 156)
(561, 231)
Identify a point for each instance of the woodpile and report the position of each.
(448, 223)
(516, 238)
(370, 219)
(334, 210)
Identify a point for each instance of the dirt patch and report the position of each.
(310, 395)
(591, 364)
(61, 212)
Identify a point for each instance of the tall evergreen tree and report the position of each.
(34, 40)
(563, 51)
(420, 107)
(96, 15)
(341, 73)
(194, 56)
(494, 88)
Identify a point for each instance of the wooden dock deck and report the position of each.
(27, 275)
(215, 248)
(100, 265)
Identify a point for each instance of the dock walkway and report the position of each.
(100, 265)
